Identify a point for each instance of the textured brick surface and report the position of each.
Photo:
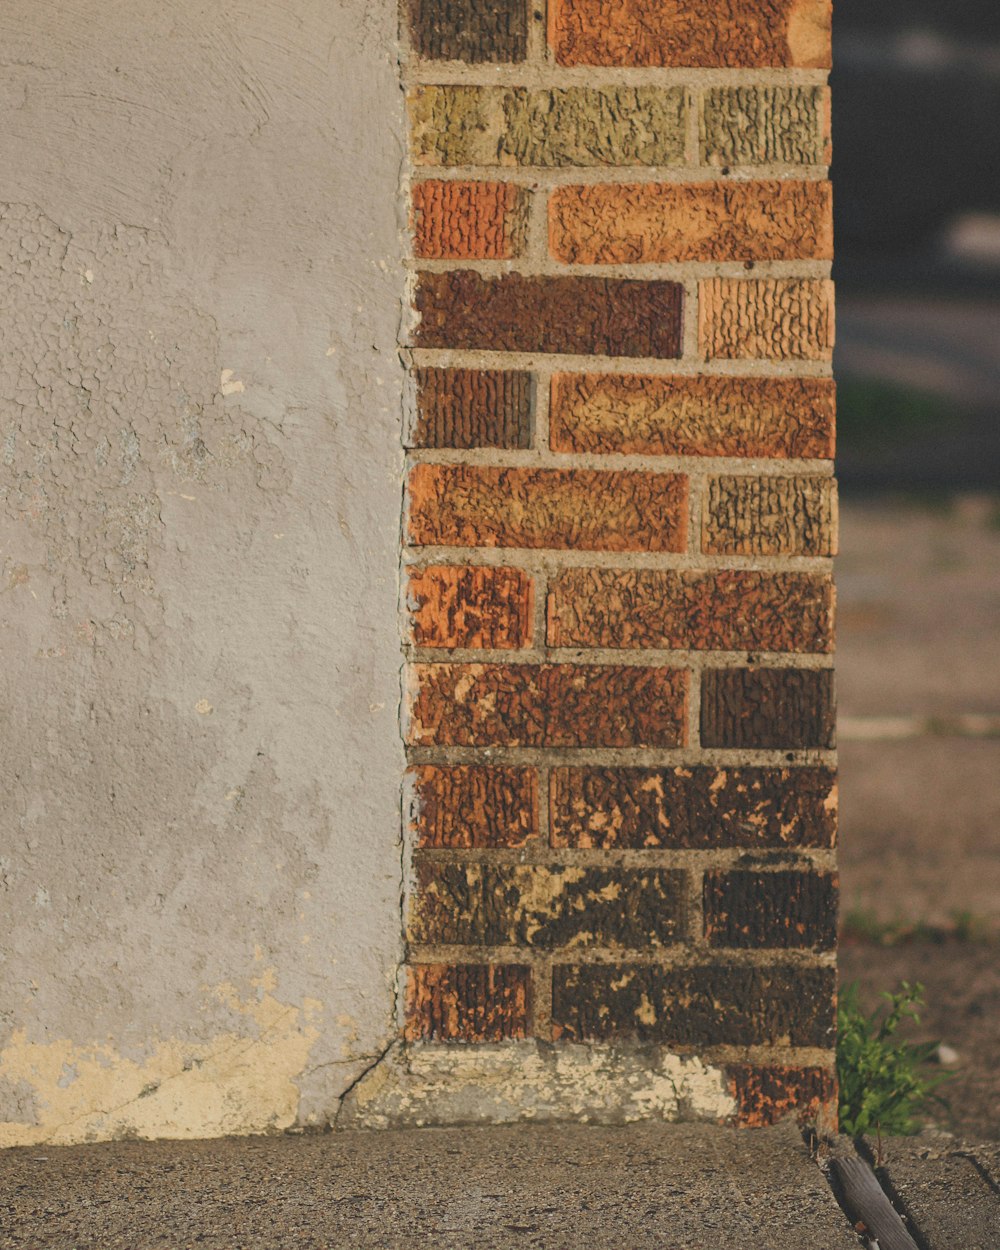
(791, 910)
(770, 516)
(765, 126)
(765, 319)
(468, 30)
(465, 408)
(470, 807)
(554, 705)
(469, 606)
(467, 1002)
(648, 415)
(530, 313)
(535, 905)
(711, 1005)
(583, 126)
(738, 33)
(681, 808)
(455, 220)
(586, 509)
(767, 708)
(620, 223)
(765, 1095)
(724, 609)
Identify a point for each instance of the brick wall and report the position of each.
(619, 521)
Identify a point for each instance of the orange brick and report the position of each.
(765, 318)
(585, 509)
(472, 806)
(622, 223)
(468, 220)
(467, 1002)
(726, 609)
(547, 705)
(647, 415)
(739, 33)
(469, 606)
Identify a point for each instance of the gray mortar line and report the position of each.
(538, 264)
(551, 176)
(690, 859)
(637, 657)
(543, 75)
(654, 366)
(625, 757)
(676, 956)
(531, 558)
(700, 467)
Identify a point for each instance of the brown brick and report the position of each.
(692, 808)
(681, 416)
(765, 126)
(790, 910)
(541, 906)
(548, 705)
(770, 516)
(724, 609)
(620, 223)
(465, 408)
(467, 1002)
(550, 128)
(583, 509)
(468, 30)
(531, 313)
(454, 220)
(715, 1005)
(472, 806)
(470, 606)
(741, 33)
(779, 708)
(766, 1095)
(765, 318)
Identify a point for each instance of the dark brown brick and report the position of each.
(766, 1095)
(464, 505)
(770, 516)
(547, 705)
(767, 708)
(519, 313)
(469, 605)
(469, 30)
(646, 415)
(466, 408)
(681, 808)
(713, 1005)
(727, 610)
(473, 807)
(791, 910)
(467, 1002)
(544, 906)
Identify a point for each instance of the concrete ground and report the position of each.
(672, 1187)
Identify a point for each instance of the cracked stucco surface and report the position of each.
(199, 501)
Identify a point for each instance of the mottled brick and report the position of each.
(534, 905)
(691, 416)
(457, 220)
(548, 705)
(532, 313)
(740, 33)
(469, 30)
(789, 910)
(465, 408)
(765, 318)
(472, 807)
(561, 126)
(585, 509)
(770, 516)
(778, 708)
(765, 1095)
(765, 126)
(622, 223)
(724, 609)
(692, 808)
(713, 1005)
(467, 1002)
(469, 606)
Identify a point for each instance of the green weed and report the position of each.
(884, 1081)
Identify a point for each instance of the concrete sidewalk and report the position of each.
(673, 1187)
